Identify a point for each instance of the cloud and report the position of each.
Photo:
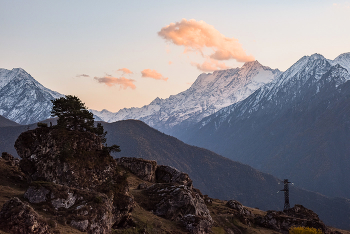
(344, 5)
(83, 75)
(153, 74)
(198, 35)
(210, 65)
(125, 71)
(110, 81)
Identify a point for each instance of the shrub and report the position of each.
(304, 230)
(42, 125)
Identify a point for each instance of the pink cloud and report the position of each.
(110, 81)
(210, 65)
(198, 35)
(153, 74)
(83, 75)
(125, 71)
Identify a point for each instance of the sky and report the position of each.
(120, 54)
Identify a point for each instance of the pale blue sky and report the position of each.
(55, 41)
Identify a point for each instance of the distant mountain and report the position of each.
(220, 177)
(208, 94)
(296, 127)
(6, 122)
(22, 98)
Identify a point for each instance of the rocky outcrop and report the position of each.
(180, 203)
(12, 161)
(88, 211)
(144, 169)
(298, 216)
(73, 177)
(168, 174)
(71, 158)
(20, 218)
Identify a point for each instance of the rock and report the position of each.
(71, 158)
(88, 211)
(36, 194)
(195, 224)
(64, 202)
(180, 203)
(12, 161)
(239, 207)
(168, 174)
(142, 186)
(144, 169)
(297, 216)
(18, 217)
(80, 225)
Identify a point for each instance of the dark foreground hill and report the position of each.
(217, 176)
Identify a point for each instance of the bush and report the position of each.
(304, 230)
(42, 125)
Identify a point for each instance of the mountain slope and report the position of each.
(209, 93)
(6, 122)
(297, 127)
(213, 174)
(217, 176)
(22, 98)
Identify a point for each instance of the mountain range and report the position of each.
(208, 94)
(293, 125)
(296, 127)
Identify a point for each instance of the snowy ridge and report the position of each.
(208, 94)
(22, 98)
(309, 74)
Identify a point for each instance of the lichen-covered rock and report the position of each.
(85, 210)
(71, 158)
(18, 217)
(168, 174)
(180, 203)
(36, 194)
(80, 225)
(233, 204)
(144, 169)
(12, 161)
(297, 216)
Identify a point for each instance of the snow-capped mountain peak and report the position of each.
(343, 60)
(22, 98)
(209, 93)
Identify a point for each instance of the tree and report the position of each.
(72, 114)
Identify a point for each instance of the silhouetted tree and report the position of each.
(73, 115)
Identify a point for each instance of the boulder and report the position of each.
(144, 169)
(71, 158)
(233, 204)
(18, 217)
(12, 161)
(87, 211)
(168, 174)
(298, 216)
(180, 203)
